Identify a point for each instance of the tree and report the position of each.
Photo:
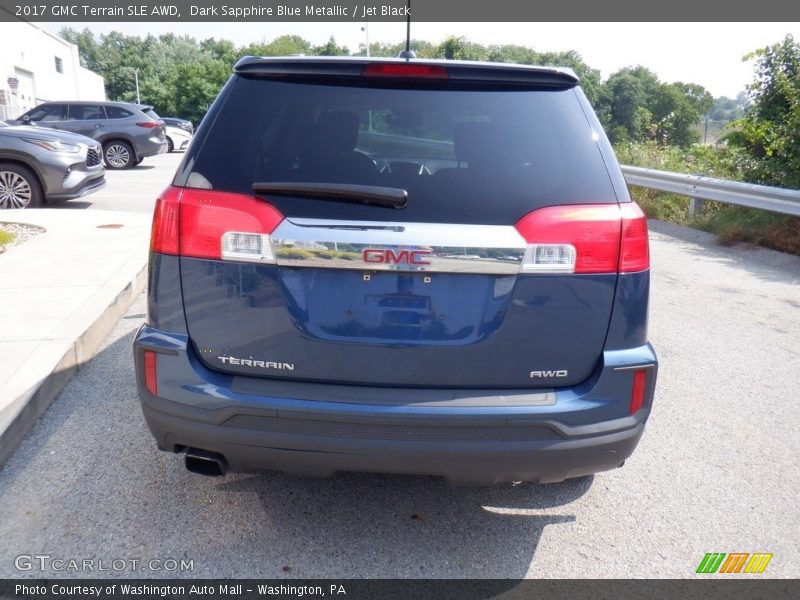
(635, 106)
(770, 128)
(330, 49)
(285, 45)
(724, 109)
(625, 104)
(459, 48)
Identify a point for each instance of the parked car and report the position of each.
(177, 138)
(305, 311)
(128, 133)
(38, 165)
(181, 123)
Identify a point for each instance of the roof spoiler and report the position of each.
(457, 71)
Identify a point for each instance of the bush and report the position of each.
(294, 253)
(731, 223)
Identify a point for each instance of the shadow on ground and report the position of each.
(88, 481)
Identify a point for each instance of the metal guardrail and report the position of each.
(774, 199)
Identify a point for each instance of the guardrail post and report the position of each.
(696, 204)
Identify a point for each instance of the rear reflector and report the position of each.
(635, 247)
(404, 70)
(639, 385)
(586, 238)
(210, 224)
(166, 222)
(151, 372)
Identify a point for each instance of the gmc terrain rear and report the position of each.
(399, 266)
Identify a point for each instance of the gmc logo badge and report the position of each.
(395, 257)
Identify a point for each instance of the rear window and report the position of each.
(85, 112)
(117, 112)
(151, 113)
(464, 156)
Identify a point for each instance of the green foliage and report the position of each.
(285, 45)
(294, 253)
(635, 106)
(330, 49)
(6, 237)
(770, 128)
(724, 109)
(730, 223)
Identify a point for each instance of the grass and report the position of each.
(6, 237)
(730, 223)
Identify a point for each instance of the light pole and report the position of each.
(365, 29)
(136, 76)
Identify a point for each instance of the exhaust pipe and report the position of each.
(205, 462)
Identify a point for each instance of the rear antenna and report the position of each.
(408, 53)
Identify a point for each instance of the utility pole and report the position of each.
(136, 75)
(365, 29)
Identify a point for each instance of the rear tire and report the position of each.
(19, 187)
(118, 154)
(170, 145)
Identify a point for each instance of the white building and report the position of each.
(37, 66)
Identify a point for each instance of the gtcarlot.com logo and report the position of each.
(734, 562)
(47, 562)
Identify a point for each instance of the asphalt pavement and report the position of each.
(133, 190)
(715, 471)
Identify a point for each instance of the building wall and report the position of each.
(28, 54)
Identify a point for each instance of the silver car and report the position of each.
(127, 132)
(40, 165)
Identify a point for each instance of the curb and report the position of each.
(37, 399)
(53, 362)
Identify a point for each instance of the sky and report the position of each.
(706, 53)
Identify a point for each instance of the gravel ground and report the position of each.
(716, 470)
(22, 233)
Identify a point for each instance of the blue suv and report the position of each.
(401, 266)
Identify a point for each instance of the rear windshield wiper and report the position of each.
(337, 192)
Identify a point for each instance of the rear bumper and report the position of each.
(150, 147)
(467, 436)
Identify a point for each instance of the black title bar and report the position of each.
(711, 588)
(394, 10)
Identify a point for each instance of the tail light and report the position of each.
(215, 225)
(151, 372)
(637, 394)
(149, 124)
(411, 70)
(600, 238)
(634, 252)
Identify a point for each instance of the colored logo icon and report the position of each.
(735, 562)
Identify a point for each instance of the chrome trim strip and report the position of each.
(428, 247)
(635, 367)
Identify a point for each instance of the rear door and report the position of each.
(85, 119)
(458, 287)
